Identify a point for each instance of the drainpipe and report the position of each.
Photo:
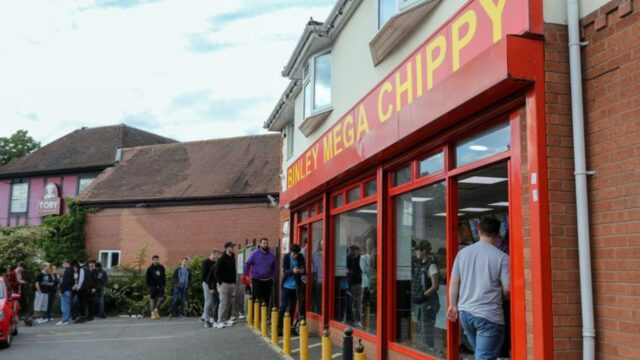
(582, 204)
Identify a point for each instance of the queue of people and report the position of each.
(80, 285)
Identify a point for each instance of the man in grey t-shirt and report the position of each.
(480, 279)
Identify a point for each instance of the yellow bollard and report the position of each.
(327, 347)
(367, 315)
(304, 341)
(359, 353)
(263, 318)
(250, 311)
(256, 315)
(274, 326)
(286, 339)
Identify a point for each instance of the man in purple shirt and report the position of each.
(262, 267)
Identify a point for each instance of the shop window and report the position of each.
(483, 193)
(84, 182)
(421, 270)
(432, 164)
(370, 188)
(402, 176)
(483, 145)
(19, 198)
(353, 195)
(388, 8)
(304, 215)
(289, 134)
(317, 84)
(338, 201)
(315, 253)
(355, 268)
(109, 258)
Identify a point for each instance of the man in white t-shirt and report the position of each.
(480, 278)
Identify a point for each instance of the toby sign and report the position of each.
(50, 204)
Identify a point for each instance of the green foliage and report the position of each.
(65, 238)
(19, 244)
(127, 293)
(16, 146)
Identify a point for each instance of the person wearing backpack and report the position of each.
(424, 290)
(293, 267)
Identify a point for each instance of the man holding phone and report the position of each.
(293, 267)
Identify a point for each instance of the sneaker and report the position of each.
(241, 317)
(233, 318)
(221, 325)
(358, 324)
(211, 321)
(229, 323)
(62, 323)
(169, 316)
(202, 319)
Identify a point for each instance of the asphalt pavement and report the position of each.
(133, 339)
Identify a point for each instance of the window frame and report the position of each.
(84, 177)
(290, 141)
(27, 199)
(309, 78)
(400, 5)
(110, 253)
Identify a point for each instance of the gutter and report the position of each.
(580, 173)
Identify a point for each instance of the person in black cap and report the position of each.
(225, 274)
(156, 282)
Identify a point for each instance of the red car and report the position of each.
(9, 311)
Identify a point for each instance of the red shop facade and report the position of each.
(403, 178)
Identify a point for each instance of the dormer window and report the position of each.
(317, 84)
(388, 8)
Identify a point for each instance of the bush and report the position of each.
(20, 244)
(65, 237)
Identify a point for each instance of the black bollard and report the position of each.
(347, 344)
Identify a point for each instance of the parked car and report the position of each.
(9, 313)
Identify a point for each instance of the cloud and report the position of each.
(80, 63)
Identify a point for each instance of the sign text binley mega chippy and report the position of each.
(473, 29)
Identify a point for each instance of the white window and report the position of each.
(19, 198)
(289, 136)
(388, 8)
(109, 258)
(83, 182)
(317, 84)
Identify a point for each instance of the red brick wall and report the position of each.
(611, 72)
(612, 105)
(178, 231)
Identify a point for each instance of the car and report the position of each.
(9, 313)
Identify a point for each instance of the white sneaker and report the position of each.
(212, 321)
(62, 323)
(229, 323)
(233, 318)
(221, 325)
(241, 317)
(358, 325)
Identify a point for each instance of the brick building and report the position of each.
(407, 121)
(184, 199)
(36, 185)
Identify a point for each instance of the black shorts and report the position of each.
(156, 292)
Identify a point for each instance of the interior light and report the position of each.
(475, 209)
(478, 148)
(500, 203)
(420, 199)
(445, 214)
(367, 211)
(485, 180)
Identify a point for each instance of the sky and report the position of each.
(185, 69)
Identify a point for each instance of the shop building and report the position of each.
(184, 199)
(37, 185)
(405, 122)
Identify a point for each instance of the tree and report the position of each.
(65, 237)
(19, 244)
(16, 146)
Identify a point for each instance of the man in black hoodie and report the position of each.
(212, 283)
(100, 279)
(66, 292)
(156, 281)
(207, 264)
(84, 288)
(225, 274)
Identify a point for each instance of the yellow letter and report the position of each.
(419, 84)
(432, 64)
(307, 163)
(289, 179)
(337, 139)
(406, 86)
(363, 123)
(327, 147)
(384, 116)
(347, 131)
(471, 20)
(314, 150)
(495, 14)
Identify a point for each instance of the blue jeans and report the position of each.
(179, 298)
(100, 301)
(485, 336)
(65, 305)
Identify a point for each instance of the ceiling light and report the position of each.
(445, 214)
(475, 209)
(500, 203)
(367, 211)
(485, 180)
(420, 199)
(478, 148)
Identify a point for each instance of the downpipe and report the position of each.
(580, 172)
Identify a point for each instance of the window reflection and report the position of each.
(421, 270)
(355, 269)
(322, 81)
(483, 145)
(316, 267)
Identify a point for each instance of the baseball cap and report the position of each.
(229, 244)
